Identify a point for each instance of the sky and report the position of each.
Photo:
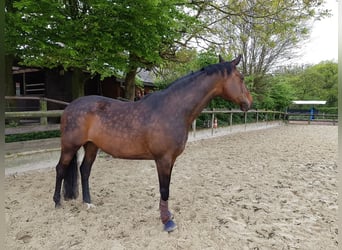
(323, 42)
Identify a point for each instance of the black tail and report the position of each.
(70, 184)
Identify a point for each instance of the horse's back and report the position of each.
(88, 103)
(81, 115)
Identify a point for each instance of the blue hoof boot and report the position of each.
(170, 226)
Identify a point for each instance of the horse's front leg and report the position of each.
(164, 168)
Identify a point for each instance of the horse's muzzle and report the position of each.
(246, 103)
(244, 106)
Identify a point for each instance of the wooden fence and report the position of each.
(251, 116)
(308, 118)
(43, 113)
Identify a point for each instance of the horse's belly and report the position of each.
(126, 149)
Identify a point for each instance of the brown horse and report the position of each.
(155, 128)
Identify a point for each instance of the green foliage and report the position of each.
(317, 82)
(108, 38)
(104, 37)
(116, 37)
(278, 95)
(328, 110)
(219, 103)
(32, 136)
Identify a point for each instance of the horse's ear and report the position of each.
(236, 60)
(221, 60)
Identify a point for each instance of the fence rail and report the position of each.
(35, 98)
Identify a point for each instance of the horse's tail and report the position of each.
(70, 184)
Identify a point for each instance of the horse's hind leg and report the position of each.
(90, 152)
(59, 178)
(67, 163)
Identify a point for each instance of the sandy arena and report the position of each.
(266, 189)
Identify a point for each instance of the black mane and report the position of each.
(208, 70)
(218, 68)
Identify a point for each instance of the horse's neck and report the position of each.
(195, 96)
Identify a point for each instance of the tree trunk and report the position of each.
(9, 85)
(77, 83)
(130, 84)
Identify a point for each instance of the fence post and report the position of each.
(212, 122)
(43, 107)
(266, 117)
(194, 127)
(231, 121)
(245, 120)
(257, 117)
(281, 117)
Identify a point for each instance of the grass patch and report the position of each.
(32, 136)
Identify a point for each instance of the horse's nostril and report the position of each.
(244, 106)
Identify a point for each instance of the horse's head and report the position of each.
(234, 88)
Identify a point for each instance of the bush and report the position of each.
(32, 136)
(328, 110)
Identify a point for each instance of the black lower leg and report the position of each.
(57, 194)
(85, 190)
(85, 169)
(85, 173)
(58, 186)
(164, 194)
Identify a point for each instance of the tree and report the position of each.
(9, 49)
(42, 34)
(265, 32)
(103, 37)
(150, 33)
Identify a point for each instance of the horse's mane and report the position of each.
(218, 68)
(208, 70)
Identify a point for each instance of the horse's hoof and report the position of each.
(89, 205)
(58, 205)
(170, 226)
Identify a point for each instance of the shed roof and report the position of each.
(146, 76)
(309, 102)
